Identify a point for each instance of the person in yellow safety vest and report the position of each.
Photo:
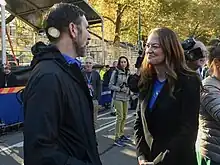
(102, 72)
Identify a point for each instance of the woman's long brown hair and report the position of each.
(174, 59)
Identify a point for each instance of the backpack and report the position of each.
(107, 77)
(116, 77)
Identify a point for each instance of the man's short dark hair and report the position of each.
(60, 16)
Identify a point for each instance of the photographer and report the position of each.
(196, 54)
(132, 80)
(118, 84)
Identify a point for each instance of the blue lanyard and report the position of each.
(89, 79)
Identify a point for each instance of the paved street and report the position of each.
(11, 152)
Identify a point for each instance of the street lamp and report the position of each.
(139, 28)
(3, 24)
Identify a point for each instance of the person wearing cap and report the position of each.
(200, 55)
(209, 118)
(58, 108)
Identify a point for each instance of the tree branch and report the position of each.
(110, 19)
(122, 10)
(199, 34)
(96, 35)
(126, 27)
(194, 31)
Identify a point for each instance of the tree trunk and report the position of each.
(118, 25)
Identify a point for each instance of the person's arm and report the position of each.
(133, 81)
(43, 112)
(98, 87)
(190, 104)
(2, 79)
(112, 86)
(210, 101)
(142, 149)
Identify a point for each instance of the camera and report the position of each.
(139, 59)
(191, 54)
(188, 44)
(124, 84)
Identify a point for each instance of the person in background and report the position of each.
(9, 79)
(214, 42)
(118, 84)
(107, 68)
(102, 72)
(93, 81)
(108, 73)
(2, 78)
(169, 93)
(136, 76)
(58, 109)
(198, 65)
(209, 118)
(105, 84)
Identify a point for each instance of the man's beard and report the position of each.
(80, 50)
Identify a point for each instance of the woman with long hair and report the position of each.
(118, 83)
(209, 118)
(169, 93)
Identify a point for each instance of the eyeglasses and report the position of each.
(88, 63)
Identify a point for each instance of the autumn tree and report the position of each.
(198, 18)
(119, 16)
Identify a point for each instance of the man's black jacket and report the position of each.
(2, 78)
(58, 125)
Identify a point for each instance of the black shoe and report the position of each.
(119, 143)
(113, 113)
(125, 138)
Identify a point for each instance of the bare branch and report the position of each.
(194, 31)
(110, 19)
(199, 34)
(96, 35)
(122, 10)
(126, 27)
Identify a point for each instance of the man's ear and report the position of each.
(73, 30)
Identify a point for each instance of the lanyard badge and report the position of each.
(89, 84)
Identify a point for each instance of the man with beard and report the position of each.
(58, 108)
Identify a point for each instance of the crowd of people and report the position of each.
(177, 86)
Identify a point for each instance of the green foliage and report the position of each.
(199, 18)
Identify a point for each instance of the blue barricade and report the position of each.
(11, 111)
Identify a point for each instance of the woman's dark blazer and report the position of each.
(172, 124)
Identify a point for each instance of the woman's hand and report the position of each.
(124, 89)
(144, 162)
